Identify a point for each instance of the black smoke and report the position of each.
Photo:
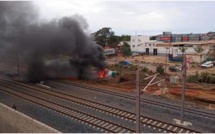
(22, 32)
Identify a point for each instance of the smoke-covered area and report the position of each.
(34, 41)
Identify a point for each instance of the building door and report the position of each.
(147, 51)
(155, 51)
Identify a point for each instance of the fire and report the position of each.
(103, 73)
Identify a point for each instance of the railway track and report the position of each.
(99, 123)
(144, 100)
(145, 121)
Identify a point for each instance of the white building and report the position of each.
(173, 48)
(143, 44)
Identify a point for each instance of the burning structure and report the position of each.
(22, 33)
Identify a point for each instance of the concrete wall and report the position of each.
(12, 121)
(138, 41)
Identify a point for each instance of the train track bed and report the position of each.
(168, 103)
(49, 117)
(85, 118)
(148, 109)
(165, 127)
(199, 101)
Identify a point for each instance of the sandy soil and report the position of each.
(155, 60)
(195, 93)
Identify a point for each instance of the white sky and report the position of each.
(136, 17)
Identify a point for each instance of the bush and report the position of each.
(132, 67)
(145, 69)
(203, 77)
(194, 65)
(212, 80)
(118, 65)
(193, 78)
(150, 72)
(160, 69)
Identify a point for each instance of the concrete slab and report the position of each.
(12, 121)
(184, 123)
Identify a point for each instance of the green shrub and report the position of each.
(193, 78)
(132, 67)
(204, 77)
(118, 65)
(160, 69)
(212, 80)
(145, 69)
(150, 72)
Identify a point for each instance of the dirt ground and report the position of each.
(162, 60)
(196, 94)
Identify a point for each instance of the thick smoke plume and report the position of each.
(22, 33)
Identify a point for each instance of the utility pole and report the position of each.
(213, 55)
(138, 100)
(183, 86)
(168, 54)
(166, 60)
(169, 46)
(138, 94)
(183, 49)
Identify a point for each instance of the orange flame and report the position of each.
(102, 73)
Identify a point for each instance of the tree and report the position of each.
(153, 38)
(113, 41)
(125, 38)
(199, 49)
(126, 50)
(183, 49)
(102, 36)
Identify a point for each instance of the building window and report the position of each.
(149, 44)
(139, 40)
(133, 40)
(133, 45)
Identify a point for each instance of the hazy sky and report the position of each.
(136, 17)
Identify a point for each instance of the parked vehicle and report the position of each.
(135, 54)
(142, 53)
(125, 62)
(207, 64)
(175, 68)
(175, 59)
(109, 51)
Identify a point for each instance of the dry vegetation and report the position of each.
(196, 93)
